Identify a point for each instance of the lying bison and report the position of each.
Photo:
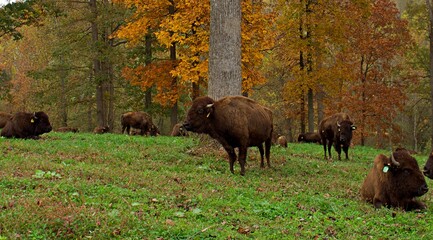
(67, 129)
(235, 122)
(4, 118)
(101, 129)
(395, 182)
(309, 137)
(428, 167)
(179, 130)
(282, 141)
(27, 125)
(336, 129)
(138, 120)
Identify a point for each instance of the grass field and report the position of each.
(82, 186)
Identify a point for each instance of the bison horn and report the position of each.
(338, 124)
(209, 105)
(394, 162)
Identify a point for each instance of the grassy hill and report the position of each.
(76, 186)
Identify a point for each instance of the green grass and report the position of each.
(78, 186)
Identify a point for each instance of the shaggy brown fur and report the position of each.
(27, 125)
(336, 129)
(179, 130)
(235, 122)
(309, 137)
(101, 129)
(395, 183)
(67, 129)
(138, 120)
(282, 141)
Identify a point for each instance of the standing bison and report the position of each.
(309, 137)
(336, 129)
(4, 118)
(395, 182)
(138, 120)
(235, 122)
(27, 125)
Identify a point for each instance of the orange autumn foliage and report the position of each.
(188, 28)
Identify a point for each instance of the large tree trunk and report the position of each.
(310, 98)
(148, 60)
(225, 76)
(430, 10)
(320, 106)
(97, 68)
(174, 109)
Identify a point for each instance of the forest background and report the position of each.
(87, 62)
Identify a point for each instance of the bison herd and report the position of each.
(238, 122)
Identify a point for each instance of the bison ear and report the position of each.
(209, 109)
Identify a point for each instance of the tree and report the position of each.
(225, 77)
(430, 11)
(376, 39)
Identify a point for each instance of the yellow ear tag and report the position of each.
(32, 120)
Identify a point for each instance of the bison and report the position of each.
(179, 130)
(235, 122)
(101, 129)
(428, 167)
(4, 118)
(309, 137)
(336, 129)
(27, 125)
(395, 182)
(282, 141)
(138, 120)
(67, 129)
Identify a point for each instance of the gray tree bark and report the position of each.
(225, 75)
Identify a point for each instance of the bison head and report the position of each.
(197, 119)
(301, 137)
(344, 131)
(404, 175)
(428, 167)
(42, 123)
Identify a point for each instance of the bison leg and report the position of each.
(338, 149)
(346, 151)
(377, 203)
(329, 149)
(232, 156)
(268, 144)
(324, 147)
(414, 205)
(243, 158)
(262, 152)
(128, 129)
